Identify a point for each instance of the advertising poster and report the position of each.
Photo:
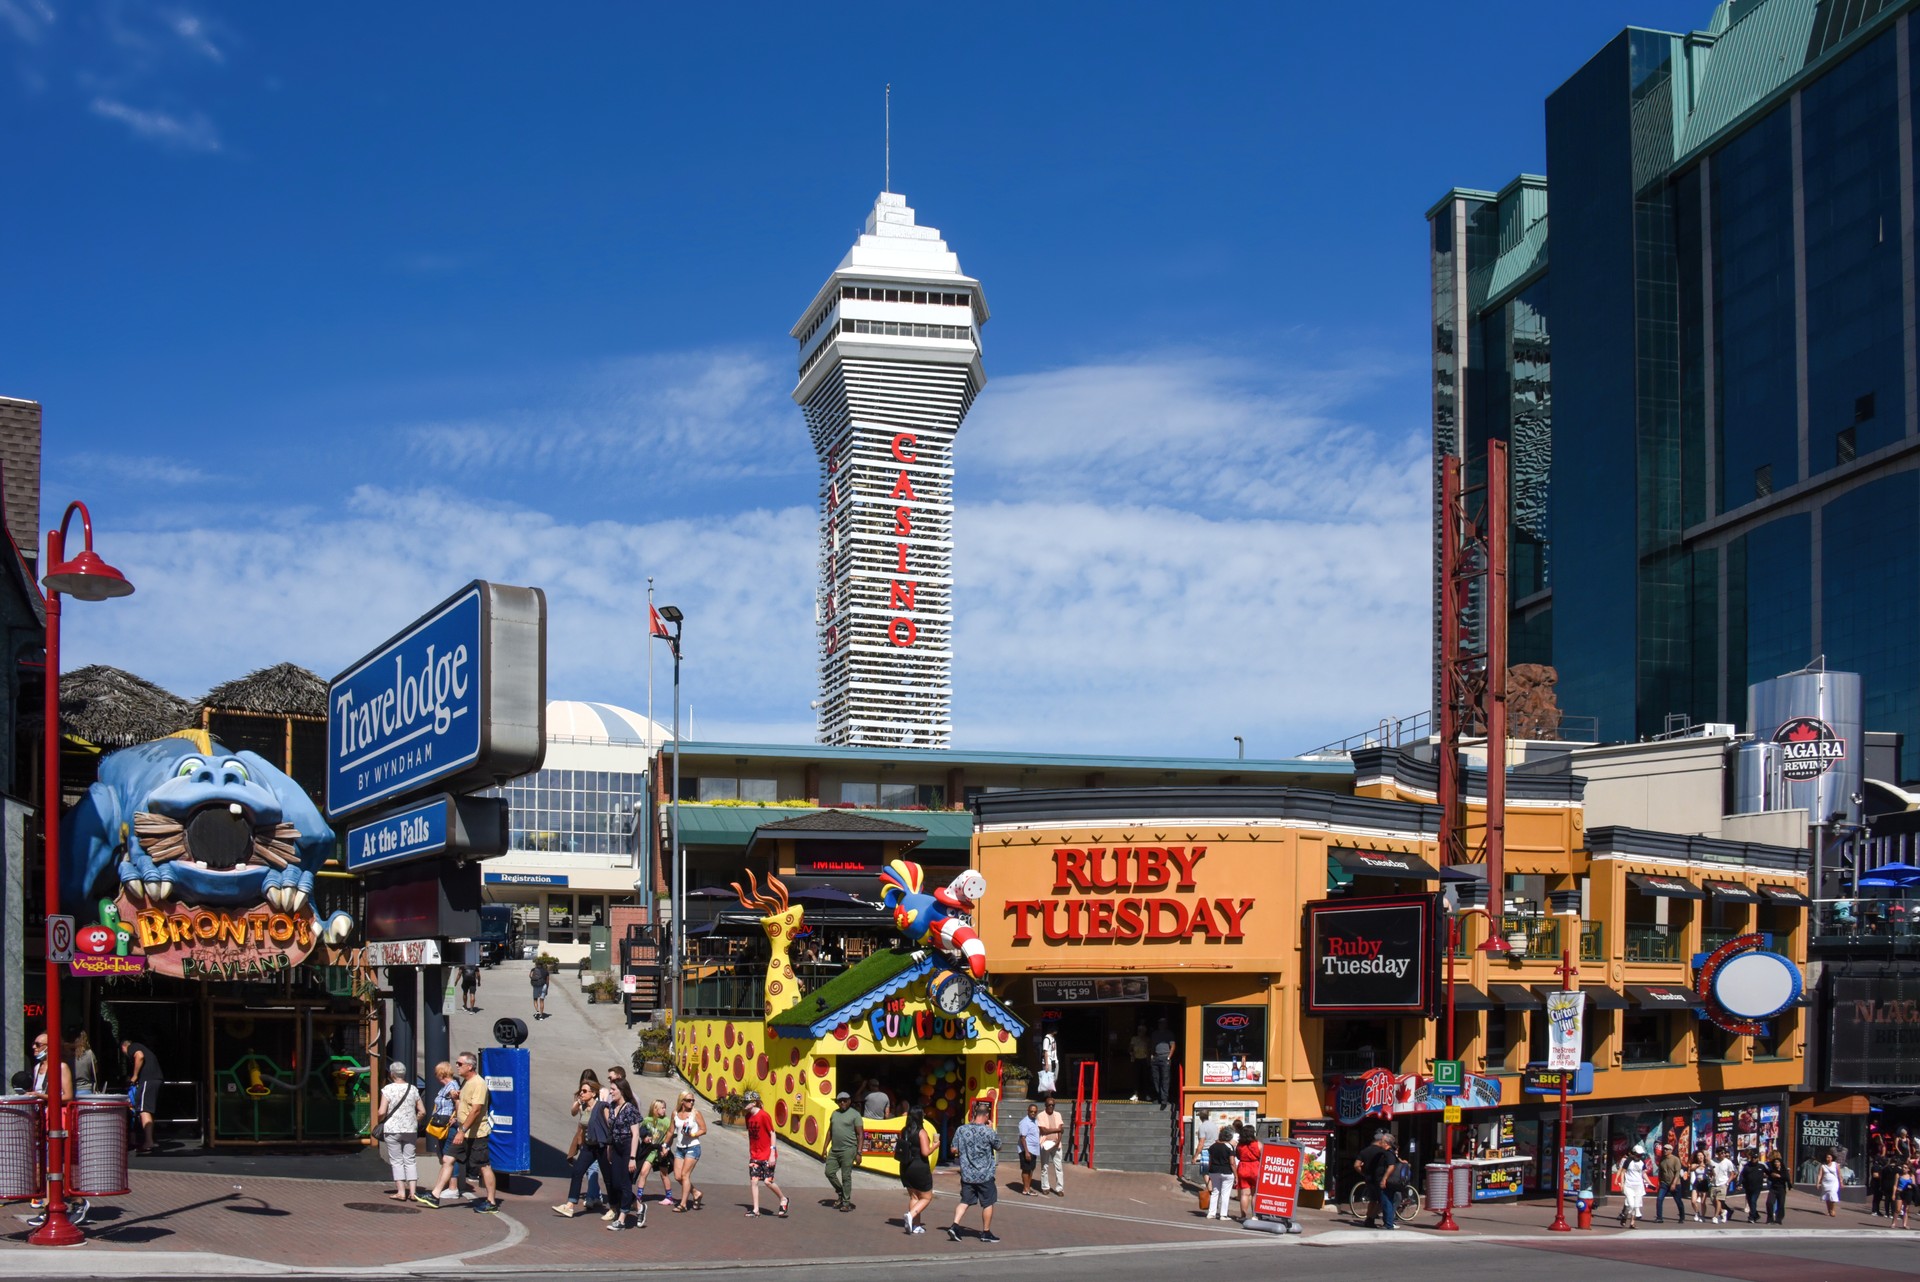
(1767, 1127)
(1235, 1072)
(1278, 1190)
(1703, 1127)
(1565, 1012)
(1208, 1116)
(1314, 1138)
(1723, 1124)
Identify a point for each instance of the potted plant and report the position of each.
(655, 1052)
(603, 989)
(731, 1108)
(1015, 1079)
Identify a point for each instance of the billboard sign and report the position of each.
(475, 827)
(1566, 1011)
(1371, 955)
(1876, 1033)
(457, 699)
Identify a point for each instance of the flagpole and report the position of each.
(650, 733)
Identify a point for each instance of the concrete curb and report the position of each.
(1407, 1237)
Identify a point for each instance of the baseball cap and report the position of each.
(846, 1095)
(1640, 1150)
(752, 1097)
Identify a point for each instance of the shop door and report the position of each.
(293, 1075)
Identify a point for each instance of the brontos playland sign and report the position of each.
(1129, 894)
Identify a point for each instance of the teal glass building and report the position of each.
(1708, 386)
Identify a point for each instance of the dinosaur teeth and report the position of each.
(296, 900)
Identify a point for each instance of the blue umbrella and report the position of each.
(1881, 883)
(1900, 873)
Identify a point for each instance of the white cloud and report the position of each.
(191, 132)
(28, 20)
(193, 33)
(136, 469)
(694, 416)
(1153, 556)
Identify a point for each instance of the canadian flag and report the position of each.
(656, 626)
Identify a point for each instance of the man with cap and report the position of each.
(844, 1131)
(760, 1155)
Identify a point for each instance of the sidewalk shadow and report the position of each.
(146, 1228)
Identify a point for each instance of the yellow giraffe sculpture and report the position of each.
(782, 923)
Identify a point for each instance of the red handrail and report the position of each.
(1179, 1118)
(1090, 1119)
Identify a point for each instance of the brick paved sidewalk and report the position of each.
(204, 1224)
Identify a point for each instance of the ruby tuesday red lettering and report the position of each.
(1359, 956)
(1127, 917)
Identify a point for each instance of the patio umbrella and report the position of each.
(1901, 874)
(1881, 883)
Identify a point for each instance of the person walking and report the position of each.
(761, 1156)
(1049, 1061)
(1722, 1171)
(1379, 1165)
(86, 1066)
(1700, 1180)
(1753, 1182)
(1220, 1168)
(874, 1102)
(1633, 1186)
(1163, 1048)
(1053, 1150)
(1828, 1183)
(470, 988)
(1246, 1170)
(1140, 1051)
(476, 1125)
(1671, 1175)
(588, 1153)
(658, 1145)
(538, 977)
(688, 1127)
(1029, 1147)
(623, 1158)
(914, 1152)
(845, 1131)
(1779, 1182)
(143, 1076)
(442, 1126)
(396, 1120)
(977, 1146)
(1903, 1189)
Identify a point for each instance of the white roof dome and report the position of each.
(602, 723)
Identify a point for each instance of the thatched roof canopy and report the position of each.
(116, 709)
(283, 690)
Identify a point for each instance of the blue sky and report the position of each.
(330, 315)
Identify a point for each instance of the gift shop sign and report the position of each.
(1129, 894)
(217, 943)
(456, 699)
(1371, 955)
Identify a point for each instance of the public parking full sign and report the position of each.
(1277, 1193)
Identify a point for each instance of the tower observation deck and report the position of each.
(889, 365)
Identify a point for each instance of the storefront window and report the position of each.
(1717, 1045)
(1817, 1134)
(1501, 1031)
(560, 919)
(1233, 1045)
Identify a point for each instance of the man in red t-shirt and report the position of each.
(760, 1154)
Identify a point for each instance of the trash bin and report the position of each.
(22, 1148)
(1462, 1185)
(1439, 1186)
(97, 1157)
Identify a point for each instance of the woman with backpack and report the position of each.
(396, 1119)
(591, 1138)
(914, 1152)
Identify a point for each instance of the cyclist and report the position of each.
(1379, 1165)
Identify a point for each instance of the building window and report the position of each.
(1647, 1038)
(1845, 447)
(1863, 408)
(860, 794)
(1717, 1045)
(1763, 480)
(712, 789)
(1501, 1027)
(1778, 1038)
(1359, 1045)
(1233, 1044)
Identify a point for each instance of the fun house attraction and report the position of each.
(919, 1016)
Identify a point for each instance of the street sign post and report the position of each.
(1449, 1077)
(59, 938)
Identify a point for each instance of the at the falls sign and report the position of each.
(456, 700)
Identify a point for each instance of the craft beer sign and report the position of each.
(1371, 955)
(457, 699)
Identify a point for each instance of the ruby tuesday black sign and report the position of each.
(1371, 955)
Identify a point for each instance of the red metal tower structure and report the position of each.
(1473, 656)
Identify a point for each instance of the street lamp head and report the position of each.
(87, 578)
(1496, 947)
(671, 613)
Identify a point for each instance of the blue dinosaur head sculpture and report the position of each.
(185, 819)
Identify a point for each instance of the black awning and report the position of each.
(1597, 998)
(1785, 895)
(1661, 886)
(1467, 997)
(1664, 997)
(1386, 863)
(1515, 995)
(1732, 892)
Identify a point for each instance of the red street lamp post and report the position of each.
(85, 578)
(1493, 945)
(1560, 1225)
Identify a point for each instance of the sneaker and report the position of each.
(953, 1233)
(487, 1208)
(568, 1209)
(1133, 1099)
(427, 1200)
(988, 1237)
(617, 1226)
(921, 1228)
(610, 1215)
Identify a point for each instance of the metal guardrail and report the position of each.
(1395, 732)
(1652, 944)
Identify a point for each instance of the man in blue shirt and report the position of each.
(1029, 1148)
(975, 1144)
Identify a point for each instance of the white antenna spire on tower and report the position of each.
(887, 180)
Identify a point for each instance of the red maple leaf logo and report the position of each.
(1803, 733)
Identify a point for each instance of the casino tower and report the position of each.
(889, 365)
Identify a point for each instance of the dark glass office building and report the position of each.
(1709, 392)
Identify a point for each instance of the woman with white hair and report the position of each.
(396, 1120)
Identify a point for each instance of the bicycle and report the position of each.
(1360, 1199)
